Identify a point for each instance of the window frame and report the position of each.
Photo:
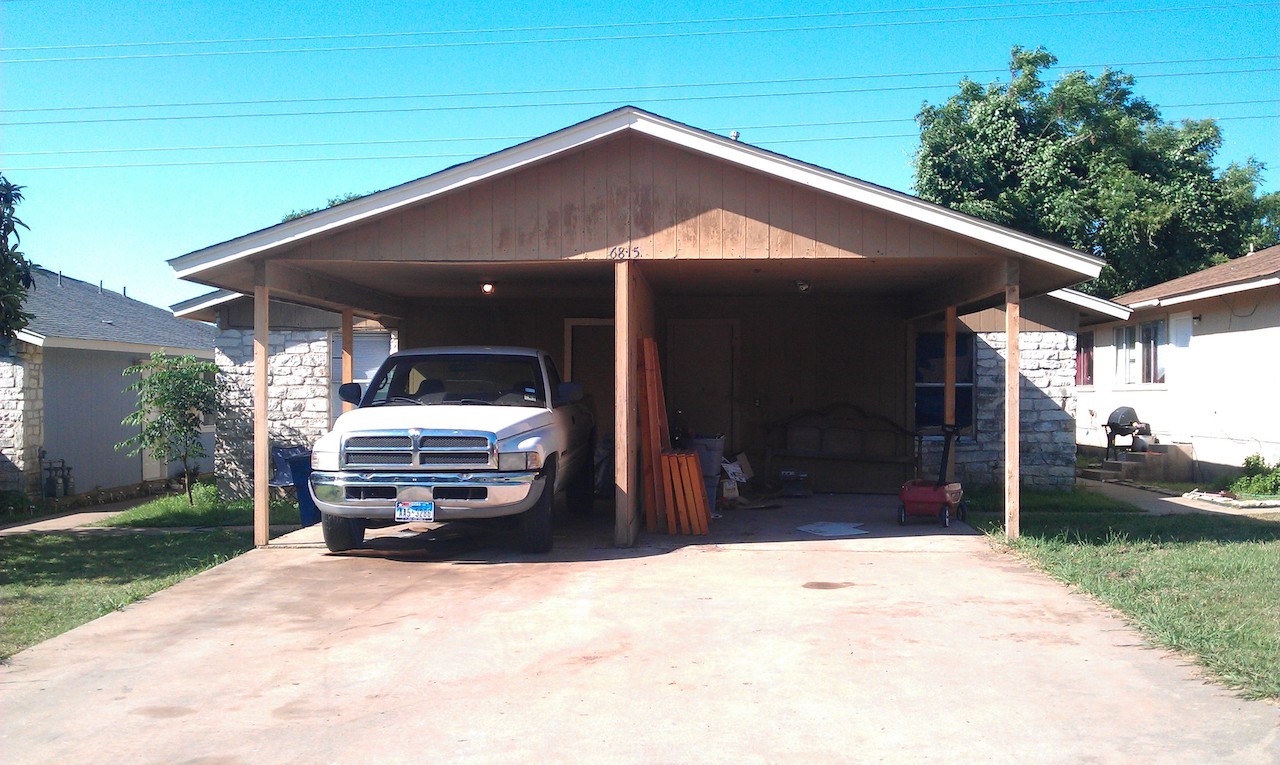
(1085, 358)
(1141, 353)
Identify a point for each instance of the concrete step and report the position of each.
(1100, 474)
(1139, 458)
(1123, 468)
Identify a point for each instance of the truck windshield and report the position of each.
(486, 379)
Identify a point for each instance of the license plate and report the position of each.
(416, 511)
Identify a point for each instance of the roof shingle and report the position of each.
(1258, 265)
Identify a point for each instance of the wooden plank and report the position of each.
(804, 212)
(348, 352)
(435, 245)
(660, 395)
(503, 234)
(641, 197)
(618, 177)
(648, 448)
(897, 236)
(651, 425)
(550, 209)
(690, 506)
(261, 426)
(573, 191)
(780, 219)
(733, 213)
(851, 234)
(700, 493)
(480, 222)
(623, 403)
(697, 499)
(459, 233)
(756, 214)
(688, 200)
(1012, 401)
(875, 233)
(390, 237)
(595, 222)
(664, 202)
(669, 493)
(527, 215)
(413, 232)
(827, 227)
(710, 214)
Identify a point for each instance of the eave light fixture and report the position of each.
(487, 288)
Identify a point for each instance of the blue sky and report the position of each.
(486, 75)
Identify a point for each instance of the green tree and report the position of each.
(341, 199)
(175, 394)
(15, 271)
(1088, 163)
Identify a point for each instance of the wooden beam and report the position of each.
(624, 404)
(1012, 401)
(309, 287)
(261, 432)
(348, 352)
(949, 381)
(981, 287)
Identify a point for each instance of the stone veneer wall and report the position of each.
(22, 419)
(1048, 410)
(297, 399)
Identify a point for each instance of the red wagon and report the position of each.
(934, 499)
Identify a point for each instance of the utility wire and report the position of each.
(481, 139)
(468, 107)
(602, 89)
(645, 36)
(552, 28)
(286, 160)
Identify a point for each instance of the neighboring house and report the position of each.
(305, 371)
(771, 286)
(61, 387)
(1198, 359)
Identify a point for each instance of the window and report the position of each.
(1084, 358)
(459, 378)
(1138, 355)
(367, 353)
(930, 381)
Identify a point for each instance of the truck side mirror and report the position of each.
(350, 392)
(568, 393)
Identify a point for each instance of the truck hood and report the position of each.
(502, 421)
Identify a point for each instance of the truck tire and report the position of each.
(341, 534)
(535, 523)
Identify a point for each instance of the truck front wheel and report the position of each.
(341, 534)
(535, 523)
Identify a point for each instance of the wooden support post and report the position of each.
(1012, 401)
(624, 404)
(348, 352)
(261, 433)
(949, 382)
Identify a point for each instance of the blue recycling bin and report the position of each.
(300, 469)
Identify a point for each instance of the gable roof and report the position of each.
(1259, 269)
(289, 233)
(69, 313)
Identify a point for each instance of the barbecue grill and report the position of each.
(1124, 422)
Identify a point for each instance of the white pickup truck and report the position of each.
(448, 434)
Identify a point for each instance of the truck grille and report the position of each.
(416, 449)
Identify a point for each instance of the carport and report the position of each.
(773, 286)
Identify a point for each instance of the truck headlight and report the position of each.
(520, 461)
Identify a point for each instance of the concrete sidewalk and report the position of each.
(1163, 504)
(759, 644)
(73, 519)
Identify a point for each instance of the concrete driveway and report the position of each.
(759, 644)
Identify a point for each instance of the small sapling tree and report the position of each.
(175, 394)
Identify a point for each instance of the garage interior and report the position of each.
(772, 288)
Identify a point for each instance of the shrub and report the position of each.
(1259, 478)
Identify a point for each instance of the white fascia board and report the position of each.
(1145, 303)
(1092, 303)
(1227, 290)
(33, 338)
(400, 196)
(878, 197)
(745, 155)
(118, 347)
(203, 302)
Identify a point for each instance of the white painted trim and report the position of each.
(27, 336)
(631, 118)
(1227, 290)
(111, 345)
(1092, 303)
(203, 302)
(1145, 303)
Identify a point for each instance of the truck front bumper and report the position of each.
(457, 496)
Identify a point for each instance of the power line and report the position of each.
(468, 107)
(481, 139)
(648, 36)
(551, 28)
(602, 89)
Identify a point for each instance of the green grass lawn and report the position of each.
(1206, 585)
(50, 583)
(209, 510)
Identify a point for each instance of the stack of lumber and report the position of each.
(674, 491)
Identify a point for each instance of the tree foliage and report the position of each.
(1088, 163)
(175, 394)
(15, 271)
(341, 199)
